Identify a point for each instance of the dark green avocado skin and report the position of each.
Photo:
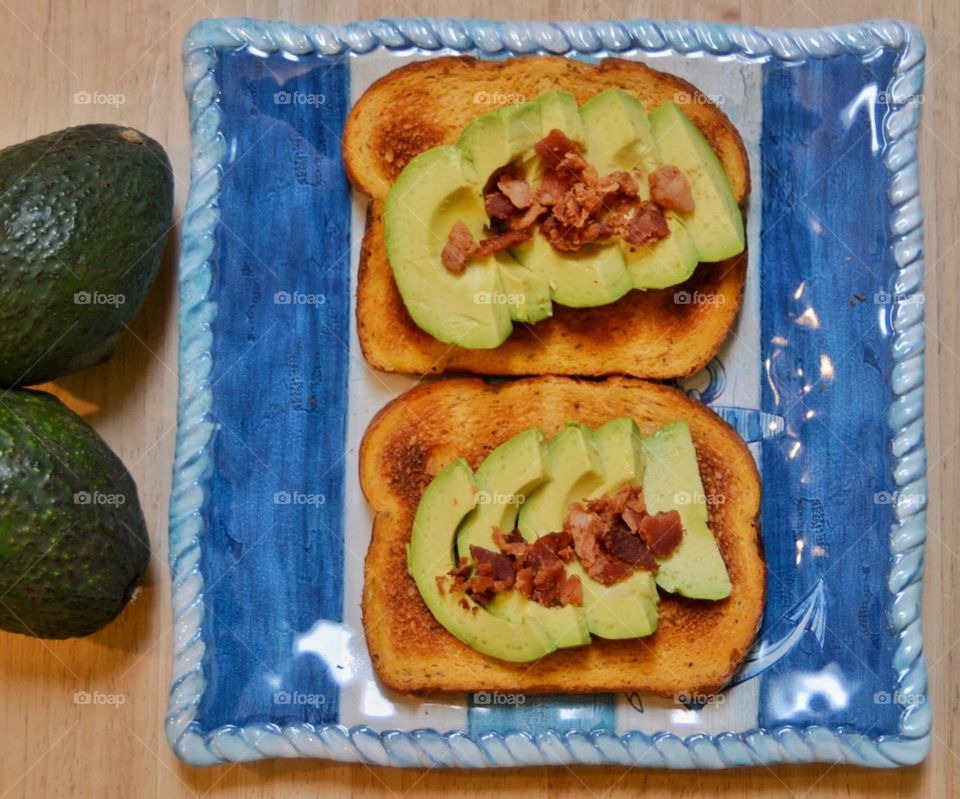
(67, 566)
(85, 209)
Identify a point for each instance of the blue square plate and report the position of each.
(823, 376)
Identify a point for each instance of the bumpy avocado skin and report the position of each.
(85, 210)
(71, 552)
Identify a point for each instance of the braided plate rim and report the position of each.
(192, 463)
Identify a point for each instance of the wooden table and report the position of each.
(50, 746)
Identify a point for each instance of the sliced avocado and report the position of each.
(438, 188)
(508, 474)
(619, 137)
(450, 496)
(672, 482)
(558, 111)
(716, 224)
(594, 275)
(527, 293)
(627, 609)
(565, 626)
(498, 137)
(665, 263)
(576, 469)
(617, 133)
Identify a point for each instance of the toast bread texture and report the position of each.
(698, 644)
(644, 334)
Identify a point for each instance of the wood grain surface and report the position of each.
(50, 746)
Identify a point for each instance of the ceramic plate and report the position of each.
(822, 376)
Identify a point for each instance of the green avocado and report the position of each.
(627, 609)
(576, 470)
(73, 543)
(619, 137)
(716, 224)
(672, 482)
(438, 188)
(448, 499)
(490, 142)
(595, 274)
(504, 480)
(617, 133)
(499, 137)
(507, 475)
(83, 222)
(558, 111)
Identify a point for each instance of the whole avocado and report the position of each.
(84, 217)
(73, 542)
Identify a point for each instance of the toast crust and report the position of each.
(698, 644)
(645, 334)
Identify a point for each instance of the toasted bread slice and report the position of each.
(698, 644)
(645, 334)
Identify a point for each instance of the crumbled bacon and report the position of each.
(614, 535)
(516, 188)
(645, 226)
(573, 203)
(554, 147)
(502, 241)
(662, 532)
(670, 189)
(498, 206)
(459, 249)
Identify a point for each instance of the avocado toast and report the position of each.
(407, 114)
(697, 643)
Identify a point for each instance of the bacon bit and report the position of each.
(516, 188)
(459, 249)
(494, 565)
(614, 535)
(571, 592)
(554, 147)
(670, 189)
(662, 532)
(646, 226)
(502, 241)
(574, 205)
(498, 206)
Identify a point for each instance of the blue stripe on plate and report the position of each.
(273, 563)
(826, 267)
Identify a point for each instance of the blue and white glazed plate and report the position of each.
(823, 376)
